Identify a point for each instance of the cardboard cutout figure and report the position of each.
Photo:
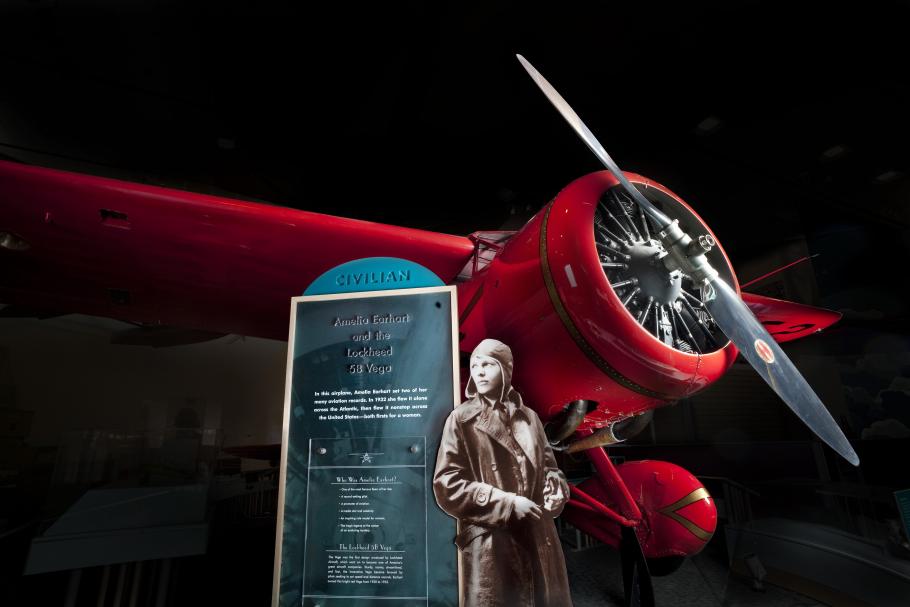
(495, 473)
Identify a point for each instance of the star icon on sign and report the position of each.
(366, 458)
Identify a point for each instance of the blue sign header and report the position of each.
(373, 274)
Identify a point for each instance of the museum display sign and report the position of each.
(371, 380)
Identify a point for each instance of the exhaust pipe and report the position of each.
(568, 421)
(616, 432)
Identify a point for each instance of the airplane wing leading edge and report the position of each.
(147, 254)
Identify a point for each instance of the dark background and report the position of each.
(783, 124)
(776, 122)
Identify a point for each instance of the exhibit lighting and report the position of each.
(12, 242)
(708, 125)
(834, 152)
(887, 177)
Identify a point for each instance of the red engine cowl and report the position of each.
(547, 296)
(678, 513)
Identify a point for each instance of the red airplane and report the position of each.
(610, 306)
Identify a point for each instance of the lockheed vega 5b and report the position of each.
(616, 298)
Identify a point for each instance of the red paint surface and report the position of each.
(226, 265)
(787, 320)
(654, 485)
(154, 255)
(551, 369)
(185, 259)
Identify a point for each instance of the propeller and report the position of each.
(732, 316)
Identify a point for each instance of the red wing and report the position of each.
(786, 320)
(149, 254)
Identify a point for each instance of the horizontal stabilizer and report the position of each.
(787, 320)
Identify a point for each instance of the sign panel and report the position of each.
(372, 378)
(366, 523)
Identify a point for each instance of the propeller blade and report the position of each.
(591, 141)
(758, 347)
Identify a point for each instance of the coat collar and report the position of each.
(472, 408)
(490, 423)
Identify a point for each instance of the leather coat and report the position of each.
(480, 468)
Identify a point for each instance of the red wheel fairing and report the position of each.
(679, 515)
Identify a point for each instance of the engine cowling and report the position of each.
(548, 294)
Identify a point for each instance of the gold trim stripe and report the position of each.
(672, 511)
(579, 339)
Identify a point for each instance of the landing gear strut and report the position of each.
(636, 578)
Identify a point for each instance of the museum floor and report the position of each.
(703, 581)
(237, 569)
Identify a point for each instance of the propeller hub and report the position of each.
(655, 280)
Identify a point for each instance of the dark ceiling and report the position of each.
(776, 121)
